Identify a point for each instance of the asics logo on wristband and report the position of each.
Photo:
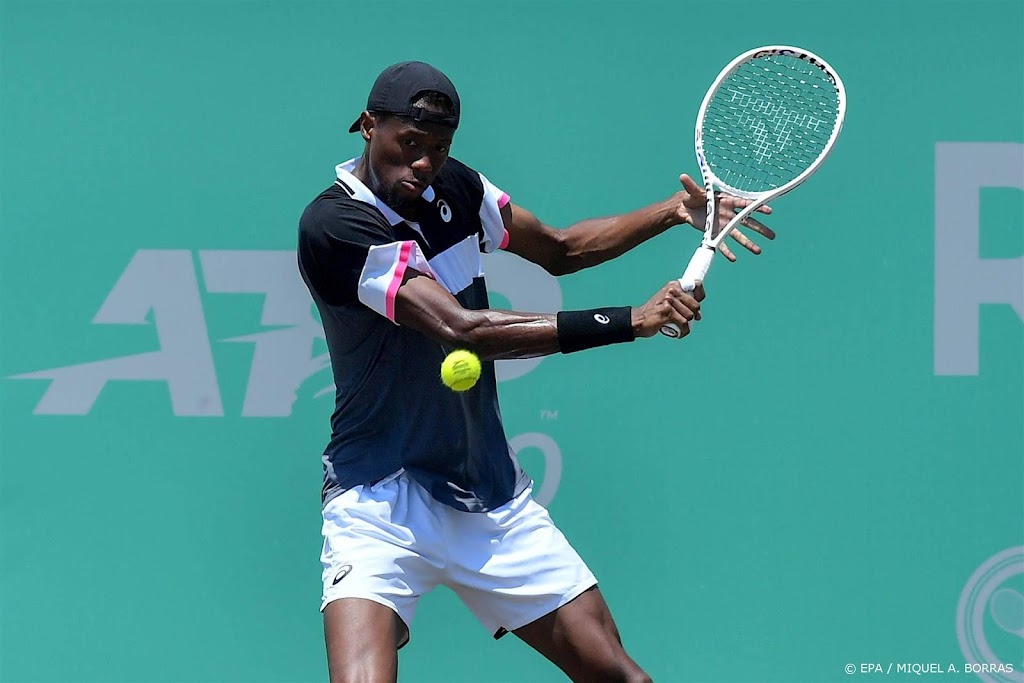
(578, 330)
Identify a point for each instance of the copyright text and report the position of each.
(926, 668)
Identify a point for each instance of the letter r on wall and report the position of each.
(964, 280)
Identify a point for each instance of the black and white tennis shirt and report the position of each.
(391, 409)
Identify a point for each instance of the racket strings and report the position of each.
(768, 122)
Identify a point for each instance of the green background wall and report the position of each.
(837, 513)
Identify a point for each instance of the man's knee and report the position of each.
(352, 672)
(613, 664)
(629, 672)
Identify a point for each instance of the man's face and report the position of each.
(404, 157)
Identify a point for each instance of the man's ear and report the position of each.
(367, 122)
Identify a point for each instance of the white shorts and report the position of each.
(393, 543)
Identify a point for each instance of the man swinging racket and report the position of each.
(420, 485)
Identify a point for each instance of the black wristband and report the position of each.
(578, 330)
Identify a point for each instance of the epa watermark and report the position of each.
(927, 668)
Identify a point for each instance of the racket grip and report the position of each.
(696, 270)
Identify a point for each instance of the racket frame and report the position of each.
(701, 260)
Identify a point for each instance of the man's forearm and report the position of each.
(596, 240)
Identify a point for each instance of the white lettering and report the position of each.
(552, 462)
(964, 280)
(160, 287)
(164, 283)
(282, 358)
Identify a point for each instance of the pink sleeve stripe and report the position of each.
(503, 200)
(396, 281)
(504, 240)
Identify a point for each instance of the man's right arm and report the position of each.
(425, 306)
(348, 253)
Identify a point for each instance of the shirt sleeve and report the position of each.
(348, 253)
(495, 236)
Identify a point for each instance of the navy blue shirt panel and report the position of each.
(391, 409)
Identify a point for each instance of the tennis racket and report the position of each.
(766, 124)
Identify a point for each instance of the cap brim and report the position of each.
(355, 126)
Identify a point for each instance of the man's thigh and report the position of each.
(381, 553)
(362, 638)
(517, 572)
(581, 638)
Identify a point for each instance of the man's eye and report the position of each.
(409, 142)
(443, 149)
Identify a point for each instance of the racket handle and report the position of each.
(696, 270)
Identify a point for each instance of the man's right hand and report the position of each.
(670, 305)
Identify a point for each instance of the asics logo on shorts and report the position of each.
(601, 318)
(342, 573)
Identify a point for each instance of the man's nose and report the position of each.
(424, 164)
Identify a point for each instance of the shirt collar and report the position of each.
(363, 193)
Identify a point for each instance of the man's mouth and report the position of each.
(414, 185)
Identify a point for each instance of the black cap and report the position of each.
(399, 85)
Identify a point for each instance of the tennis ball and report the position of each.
(460, 370)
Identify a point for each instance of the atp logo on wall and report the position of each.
(161, 288)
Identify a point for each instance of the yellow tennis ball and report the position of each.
(460, 370)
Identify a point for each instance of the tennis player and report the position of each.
(420, 485)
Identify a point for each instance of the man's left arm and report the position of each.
(596, 240)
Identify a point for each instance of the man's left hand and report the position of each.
(691, 207)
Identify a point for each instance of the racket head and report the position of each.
(768, 121)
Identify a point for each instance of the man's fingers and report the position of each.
(673, 305)
(744, 242)
(726, 251)
(690, 185)
(739, 203)
(692, 299)
(688, 299)
(682, 311)
(686, 304)
(759, 227)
